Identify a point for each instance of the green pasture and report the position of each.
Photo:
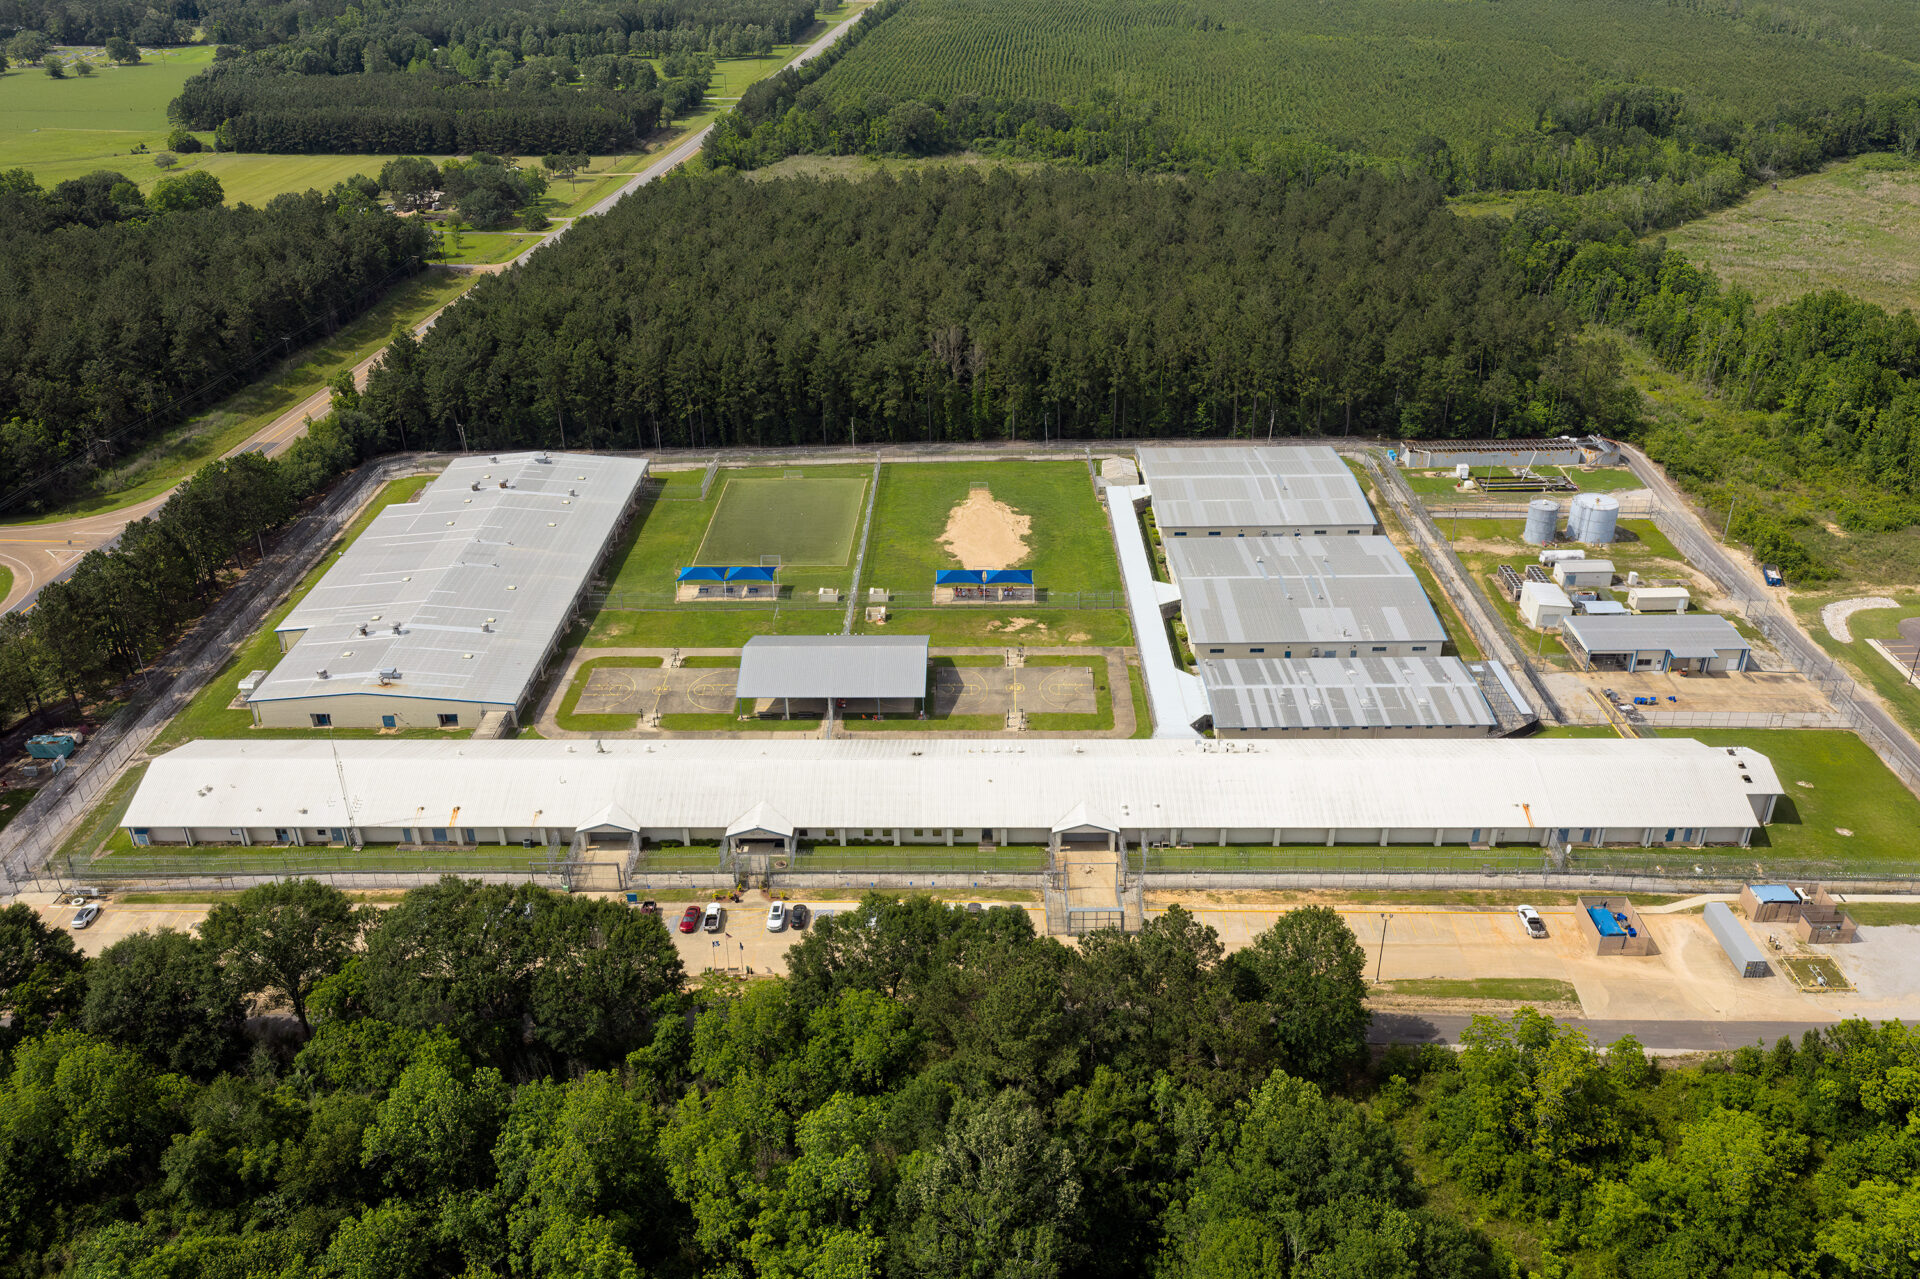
(179, 452)
(807, 522)
(1847, 788)
(209, 713)
(484, 248)
(120, 99)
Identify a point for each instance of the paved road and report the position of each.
(1661, 1036)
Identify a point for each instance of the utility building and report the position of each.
(1250, 490)
(1698, 642)
(1302, 597)
(877, 787)
(835, 675)
(449, 606)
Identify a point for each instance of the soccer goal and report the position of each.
(793, 475)
(979, 486)
(706, 482)
(769, 561)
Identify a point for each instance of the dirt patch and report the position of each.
(985, 533)
(1013, 624)
(1078, 637)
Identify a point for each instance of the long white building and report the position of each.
(448, 606)
(762, 795)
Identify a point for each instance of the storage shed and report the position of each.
(1741, 949)
(1572, 573)
(1658, 599)
(1544, 605)
(1766, 903)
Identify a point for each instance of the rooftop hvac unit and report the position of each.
(321, 673)
(475, 486)
(396, 628)
(503, 483)
(573, 492)
(389, 674)
(486, 628)
(363, 628)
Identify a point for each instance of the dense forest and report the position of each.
(119, 315)
(952, 306)
(1521, 95)
(498, 1080)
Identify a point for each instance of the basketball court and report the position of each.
(995, 690)
(1904, 652)
(644, 690)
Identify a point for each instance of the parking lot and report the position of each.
(1749, 692)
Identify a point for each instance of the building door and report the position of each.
(387, 721)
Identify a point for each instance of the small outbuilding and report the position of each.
(1544, 605)
(1614, 927)
(1658, 599)
(1699, 642)
(834, 675)
(1768, 903)
(983, 586)
(1742, 951)
(1583, 573)
(701, 582)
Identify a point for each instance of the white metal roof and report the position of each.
(1174, 695)
(1250, 485)
(1344, 692)
(819, 666)
(889, 781)
(461, 590)
(1681, 634)
(1326, 591)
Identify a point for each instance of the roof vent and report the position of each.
(494, 458)
(573, 492)
(321, 673)
(486, 628)
(396, 628)
(363, 628)
(389, 674)
(503, 483)
(476, 486)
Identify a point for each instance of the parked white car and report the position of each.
(85, 915)
(777, 917)
(1536, 926)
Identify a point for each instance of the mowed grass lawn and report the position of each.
(806, 522)
(1069, 549)
(667, 537)
(1848, 789)
(1883, 624)
(209, 713)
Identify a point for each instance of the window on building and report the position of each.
(142, 837)
(1256, 650)
(1216, 650)
(1319, 532)
(1419, 648)
(440, 835)
(1180, 533)
(388, 721)
(1213, 532)
(321, 721)
(449, 721)
(1379, 648)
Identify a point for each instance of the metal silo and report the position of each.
(1593, 518)
(1543, 519)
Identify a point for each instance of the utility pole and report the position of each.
(1727, 530)
(1381, 963)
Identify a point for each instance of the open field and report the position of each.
(1834, 784)
(1853, 226)
(178, 453)
(1883, 624)
(114, 98)
(1375, 73)
(1440, 488)
(483, 248)
(209, 713)
(807, 522)
(1514, 990)
(667, 536)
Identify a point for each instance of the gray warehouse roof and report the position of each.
(1683, 635)
(1306, 590)
(461, 590)
(1342, 692)
(1248, 486)
(812, 666)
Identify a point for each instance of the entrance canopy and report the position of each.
(761, 820)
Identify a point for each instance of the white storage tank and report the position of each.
(1543, 519)
(1593, 518)
(1462, 471)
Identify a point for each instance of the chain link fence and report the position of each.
(803, 599)
(165, 688)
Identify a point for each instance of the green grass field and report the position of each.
(209, 715)
(1854, 226)
(1901, 697)
(1848, 789)
(667, 536)
(807, 522)
(1508, 990)
(1440, 488)
(183, 450)
(1377, 74)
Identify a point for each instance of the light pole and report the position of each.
(1381, 963)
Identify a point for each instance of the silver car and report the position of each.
(85, 915)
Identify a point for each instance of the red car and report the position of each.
(690, 922)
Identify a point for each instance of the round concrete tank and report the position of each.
(1593, 518)
(1543, 519)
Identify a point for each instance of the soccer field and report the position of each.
(804, 522)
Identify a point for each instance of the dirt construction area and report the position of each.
(640, 690)
(1756, 692)
(995, 690)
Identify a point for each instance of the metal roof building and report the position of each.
(1254, 490)
(844, 668)
(1578, 791)
(448, 606)
(1656, 642)
(1302, 597)
(1346, 697)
